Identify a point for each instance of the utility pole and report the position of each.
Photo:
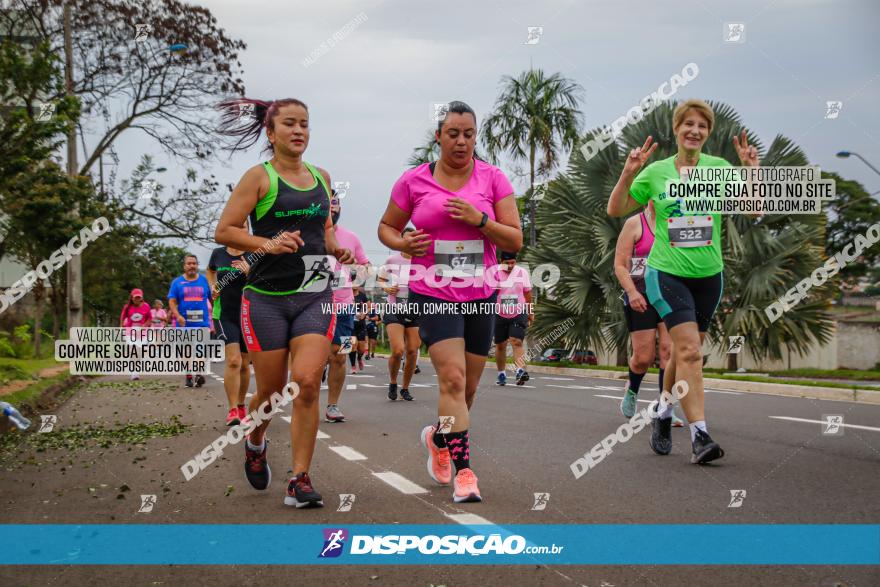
(74, 266)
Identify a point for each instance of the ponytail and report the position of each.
(247, 129)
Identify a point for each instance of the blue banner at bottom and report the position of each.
(294, 544)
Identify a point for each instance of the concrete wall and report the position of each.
(853, 345)
(858, 345)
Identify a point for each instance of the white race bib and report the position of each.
(509, 300)
(195, 315)
(690, 231)
(137, 317)
(459, 258)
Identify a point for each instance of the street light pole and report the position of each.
(74, 266)
(846, 154)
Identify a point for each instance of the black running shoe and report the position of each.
(256, 467)
(661, 433)
(301, 494)
(417, 371)
(404, 393)
(200, 380)
(705, 449)
(522, 378)
(189, 381)
(392, 391)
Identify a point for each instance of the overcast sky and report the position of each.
(370, 96)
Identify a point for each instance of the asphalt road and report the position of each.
(523, 441)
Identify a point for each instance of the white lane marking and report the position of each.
(611, 387)
(726, 392)
(572, 386)
(372, 385)
(469, 519)
(556, 378)
(351, 386)
(321, 434)
(348, 453)
(645, 401)
(855, 426)
(400, 483)
(361, 375)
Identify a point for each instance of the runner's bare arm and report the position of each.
(621, 203)
(391, 226)
(505, 231)
(230, 230)
(623, 253)
(211, 275)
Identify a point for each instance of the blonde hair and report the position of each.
(701, 107)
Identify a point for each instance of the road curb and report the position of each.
(784, 389)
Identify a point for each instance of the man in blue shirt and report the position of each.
(188, 301)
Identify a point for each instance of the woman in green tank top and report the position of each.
(286, 309)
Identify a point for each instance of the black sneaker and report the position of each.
(404, 393)
(392, 391)
(417, 371)
(189, 381)
(661, 433)
(705, 449)
(522, 378)
(256, 467)
(301, 494)
(200, 380)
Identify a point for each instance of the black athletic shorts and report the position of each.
(506, 328)
(635, 321)
(360, 329)
(405, 319)
(372, 331)
(229, 331)
(473, 321)
(684, 299)
(270, 322)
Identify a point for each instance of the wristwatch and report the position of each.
(483, 221)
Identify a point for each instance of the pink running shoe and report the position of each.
(465, 487)
(232, 418)
(439, 467)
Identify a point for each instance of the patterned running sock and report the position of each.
(459, 449)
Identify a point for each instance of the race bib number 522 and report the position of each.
(690, 231)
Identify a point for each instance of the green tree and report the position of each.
(536, 119)
(852, 212)
(762, 258)
(27, 76)
(39, 224)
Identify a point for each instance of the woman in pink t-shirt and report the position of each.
(160, 316)
(462, 209)
(135, 314)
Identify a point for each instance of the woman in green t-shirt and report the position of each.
(685, 267)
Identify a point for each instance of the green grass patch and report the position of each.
(32, 392)
(760, 379)
(14, 369)
(854, 374)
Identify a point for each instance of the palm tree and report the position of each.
(762, 259)
(536, 117)
(428, 151)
